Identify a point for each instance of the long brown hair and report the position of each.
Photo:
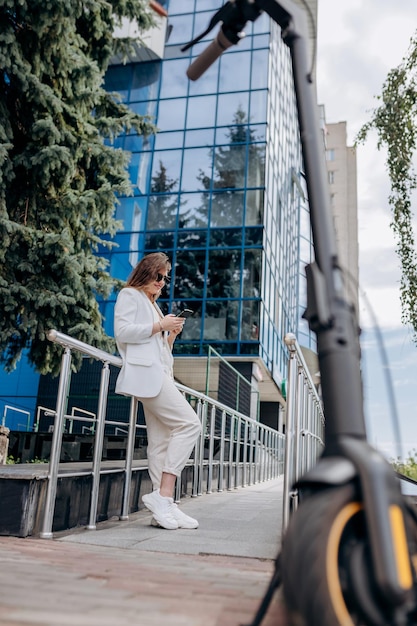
(147, 269)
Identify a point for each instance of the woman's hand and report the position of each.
(172, 323)
(176, 330)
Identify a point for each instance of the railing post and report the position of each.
(98, 444)
(289, 429)
(202, 447)
(238, 452)
(211, 448)
(61, 407)
(197, 463)
(231, 449)
(222, 440)
(129, 457)
(245, 454)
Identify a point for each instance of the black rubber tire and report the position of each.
(325, 563)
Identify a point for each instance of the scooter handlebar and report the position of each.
(208, 56)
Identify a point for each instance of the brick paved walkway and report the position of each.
(132, 574)
(50, 583)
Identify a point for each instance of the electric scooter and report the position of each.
(349, 553)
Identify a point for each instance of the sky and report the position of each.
(358, 43)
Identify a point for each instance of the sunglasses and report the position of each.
(162, 277)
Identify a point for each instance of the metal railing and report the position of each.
(240, 449)
(304, 425)
(240, 390)
(9, 408)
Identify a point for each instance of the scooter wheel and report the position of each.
(326, 569)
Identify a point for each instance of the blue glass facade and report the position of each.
(219, 188)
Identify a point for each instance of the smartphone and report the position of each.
(185, 313)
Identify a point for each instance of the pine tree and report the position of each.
(59, 173)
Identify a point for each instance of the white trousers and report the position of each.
(173, 429)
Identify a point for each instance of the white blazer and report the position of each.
(142, 371)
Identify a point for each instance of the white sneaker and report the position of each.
(162, 509)
(183, 520)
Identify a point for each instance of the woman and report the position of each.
(145, 339)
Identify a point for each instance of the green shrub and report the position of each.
(408, 467)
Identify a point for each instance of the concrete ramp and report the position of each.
(244, 522)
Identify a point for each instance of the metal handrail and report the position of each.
(250, 452)
(304, 425)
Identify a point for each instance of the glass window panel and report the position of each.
(181, 28)
(254, 207)
(258, 132)
(249, 330)
(174, 79)
(259, 74)
(127, 208)
(139, 170)
(260, 41)
(194, 210)
(258, 106)
(162, 212)
(203, 137)
(171, 114)
(262, 24)
(229, 166)
(235, 71)
(201, 111)
(189, 274)
(221, 321)
(123, 242)
(159, 241)
(147, 107)
(227, 209)
(166, 170)
(225, 237)
(223, 279)
(192, 238)
(133, 143)
(252, 273)
(186, 347)
(118, 142)
(256, 165)
(120, 266)
(196, 168)
(145, 80)
(207, 5)
(117, 79)
(168, 140)
(180, 6)
(202, 19)
(249, 348)
(254, 236)
(192, 325)
(227, 106)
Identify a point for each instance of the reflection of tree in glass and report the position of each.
(189, 276)
(162, 209)
(231, 162)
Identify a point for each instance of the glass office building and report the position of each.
(220, 189)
